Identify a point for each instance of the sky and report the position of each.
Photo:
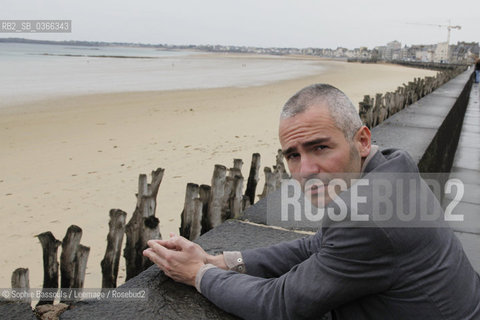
(261, 23)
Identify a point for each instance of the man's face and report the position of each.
(315, 148)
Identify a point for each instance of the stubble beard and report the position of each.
(326, 194)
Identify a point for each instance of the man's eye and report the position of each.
(320, 147)
(292, 156)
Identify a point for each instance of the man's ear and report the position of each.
(363, 141)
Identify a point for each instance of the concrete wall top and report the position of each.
(167, 299)
(413, 128)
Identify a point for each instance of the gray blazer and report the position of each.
(356, 271)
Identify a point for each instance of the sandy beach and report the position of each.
(70, 159)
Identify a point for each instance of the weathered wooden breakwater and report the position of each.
(374, 110)
(205, 207)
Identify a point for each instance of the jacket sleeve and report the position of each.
(352, 264)
(280, 258)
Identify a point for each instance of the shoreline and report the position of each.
(70, 159)
(65, 72)
(44, 103)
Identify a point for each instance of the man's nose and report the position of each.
(308, 166)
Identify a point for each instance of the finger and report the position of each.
(181, 243)
(166, 243)
(155, 258)
(147, 252)
(164, 253)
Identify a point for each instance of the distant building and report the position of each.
(424, 55)
(394, 45)
(464, 52)
(404, 54)
(364, 53)
(380, 50)
(442, 53)
(392, 52)
(340, 52)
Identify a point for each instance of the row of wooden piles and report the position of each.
(374, 111)
(205, 207)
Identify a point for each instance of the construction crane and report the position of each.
(449, 28)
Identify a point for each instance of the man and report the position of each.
(357, 270)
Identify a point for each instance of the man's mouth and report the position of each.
(315, 189)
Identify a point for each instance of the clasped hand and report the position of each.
(177, 257)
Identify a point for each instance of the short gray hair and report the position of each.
(341, 109)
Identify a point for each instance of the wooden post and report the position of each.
(227, 195)
(253, 178)
(366, 111)
(196, 229)
(204, 193)
(215, 205)
(20, 281)
(236, 201)
(381, 110)
(191, 193)
(70, 244)
(377, 109)
(73, 260)
(135, 228)
(150, 230)
(279, 169)
(111, 260)
(270, 182)
(50, 263)
(234, 172)
(80, 266)
(246, 203)
(280, 164)
(238, 164)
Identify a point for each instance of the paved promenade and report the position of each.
(466, 167)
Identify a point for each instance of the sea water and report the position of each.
(33, 71)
